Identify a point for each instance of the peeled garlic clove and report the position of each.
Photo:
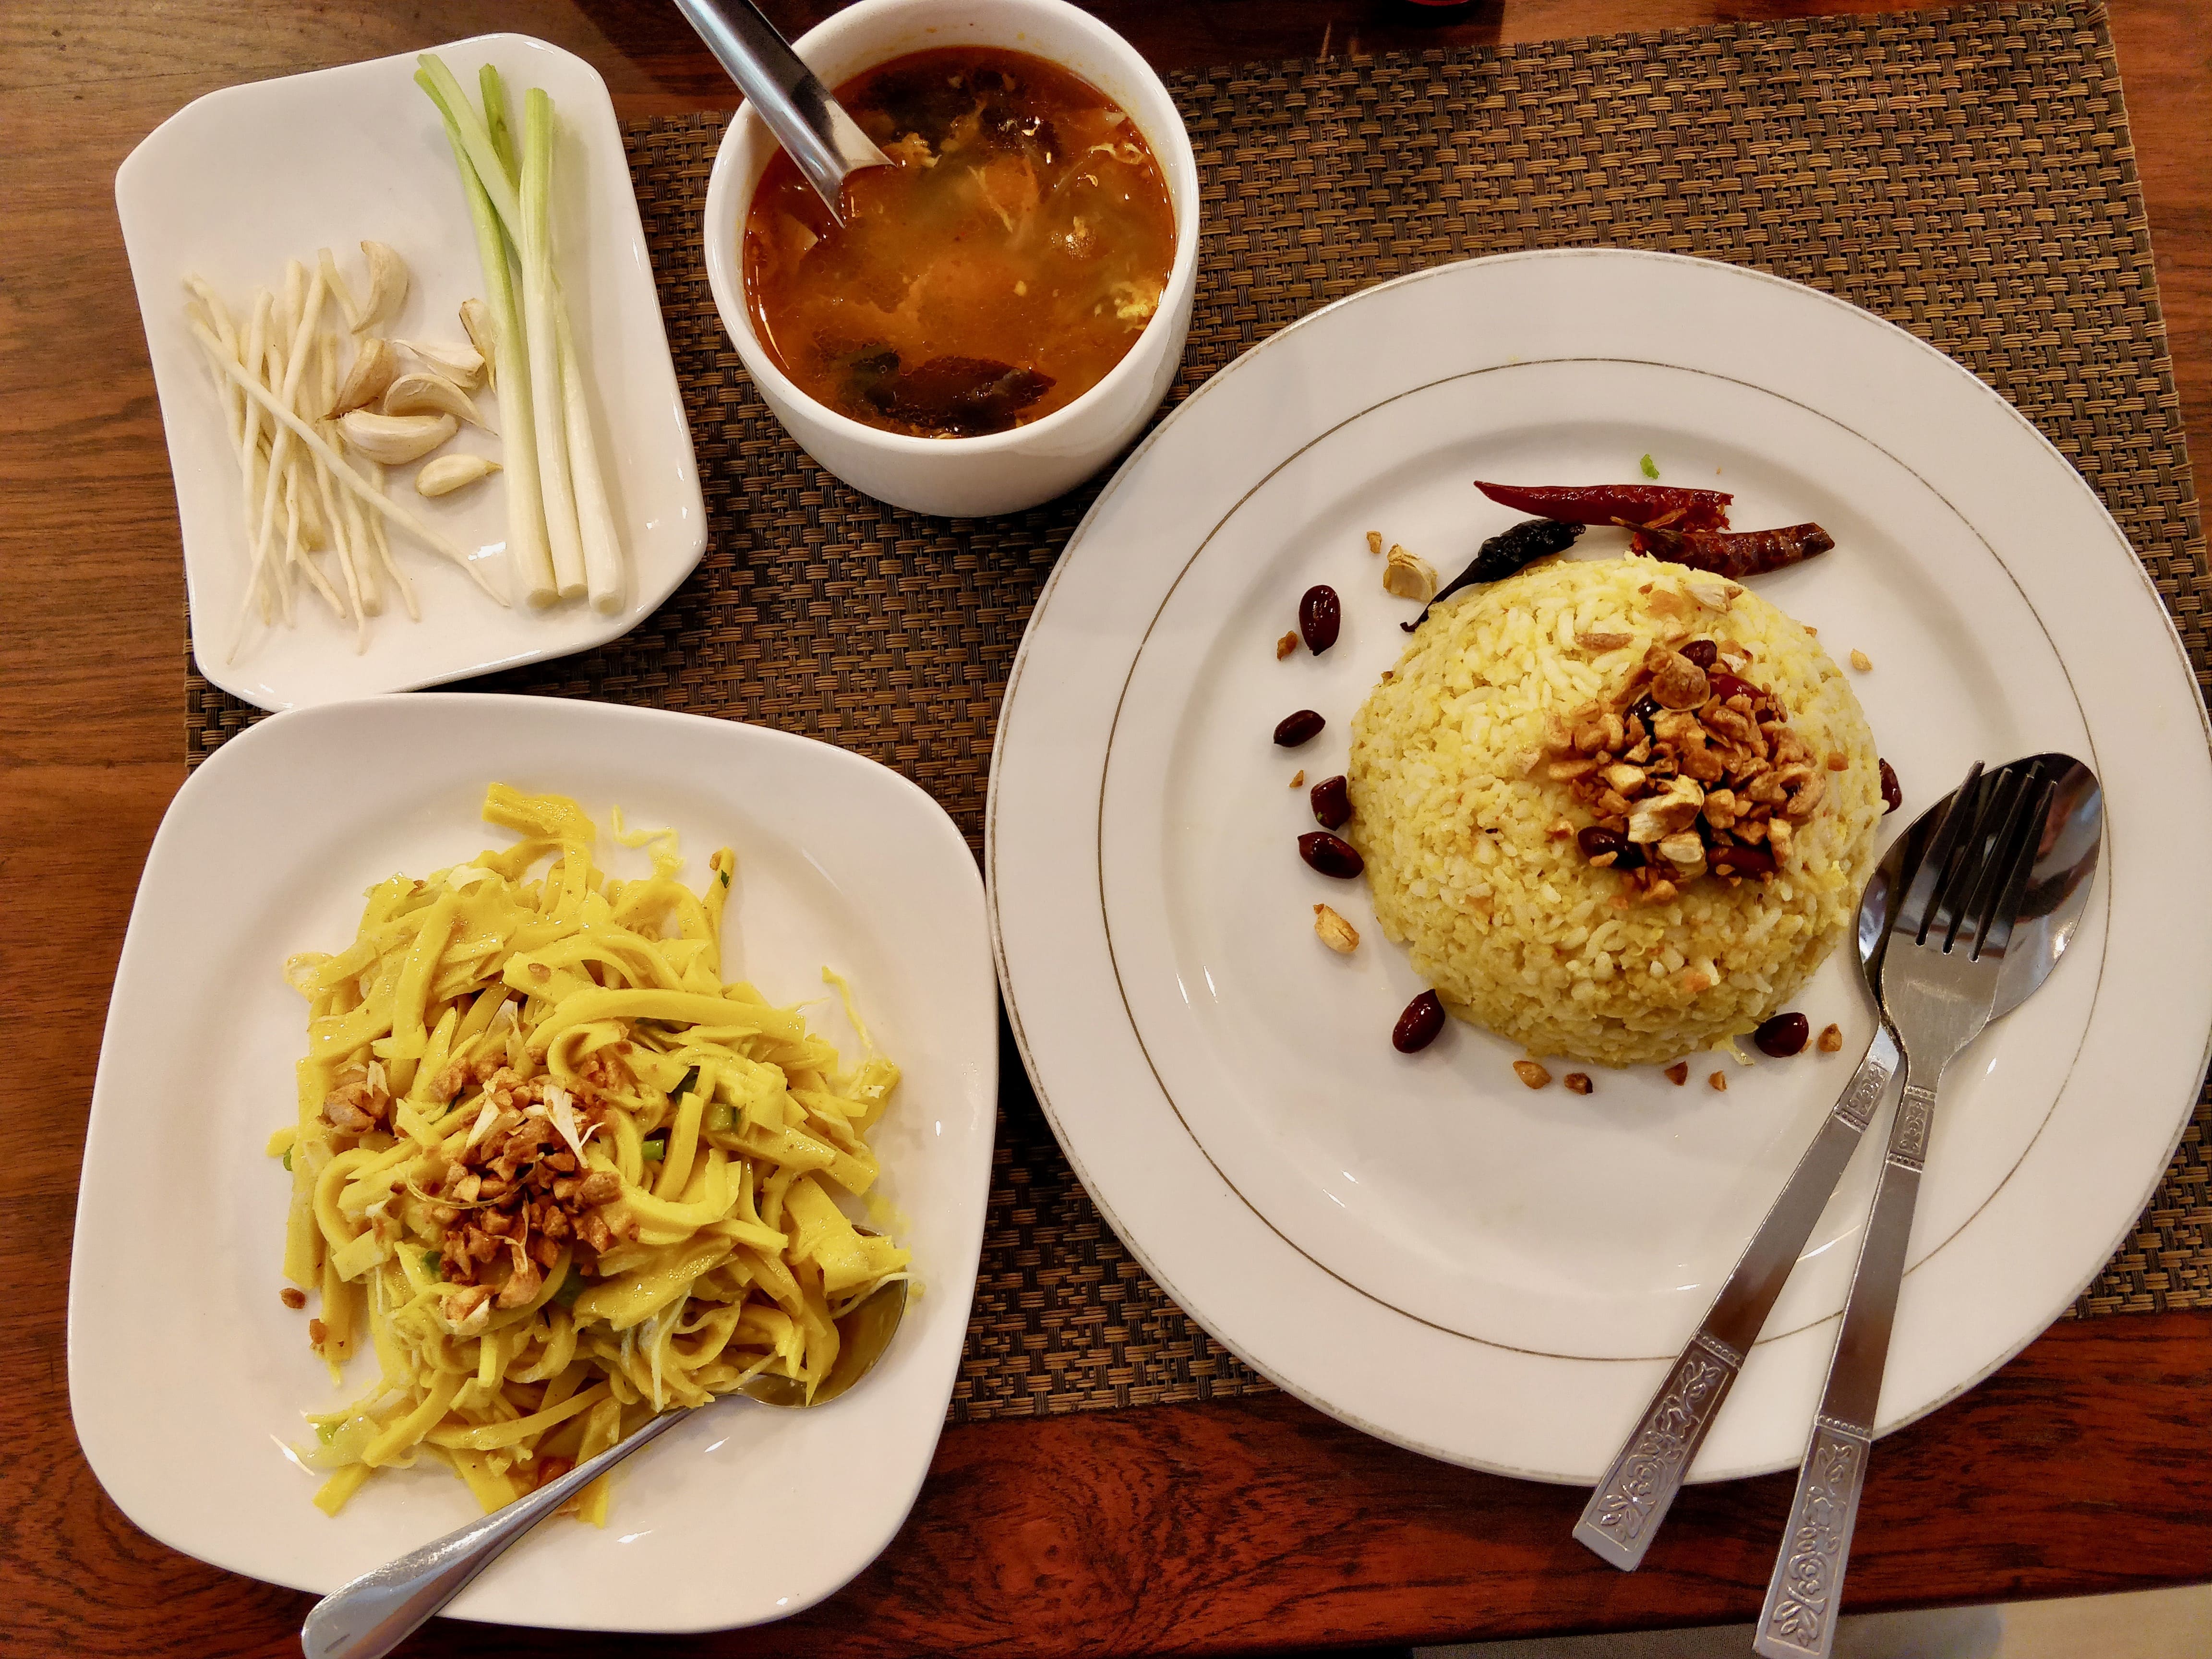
(484, 334)
(449, 472)
(463, 365)
(395, 439)
(387, 283)
(374, 363)
(420, 392)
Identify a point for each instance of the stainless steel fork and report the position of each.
(1939, 983)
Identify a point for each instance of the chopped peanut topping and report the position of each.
(1334, 930)
(1831, 1039)
(1286, 645)
(1409, 576)
(1679, 1072)
(1531, 1073)
(1862, 662)
(1719, 1081)
(1578, 1082)
(1695, 766)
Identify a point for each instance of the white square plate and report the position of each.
(235, 185)
(188, 1377)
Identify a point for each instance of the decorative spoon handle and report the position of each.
(378, 1611)
(812, 126)
(1632, 1499)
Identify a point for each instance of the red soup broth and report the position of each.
(1006, 260)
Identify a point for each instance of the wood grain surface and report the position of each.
(1249, 1526)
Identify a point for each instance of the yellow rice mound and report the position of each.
(1452, 811)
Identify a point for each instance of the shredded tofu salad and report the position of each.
(562, 1174)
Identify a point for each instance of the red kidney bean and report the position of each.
(1742, 860)
(1332, 804)
(1420, 1026)
(1703, 652)
(1647, 709)
(1320, 616)
(1893, 792)
(1725, 686)
(1596, 841)
(1330, 855)
(1302, 728)
(1783, 1036)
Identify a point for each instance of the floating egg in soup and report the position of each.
(1010, 254)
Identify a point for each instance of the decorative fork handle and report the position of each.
(1804, 1596)
(1638, 1488)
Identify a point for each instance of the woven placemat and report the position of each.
(1965, 173)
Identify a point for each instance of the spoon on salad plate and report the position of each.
(1640, 1484)
(812, 125)
(378, 1611)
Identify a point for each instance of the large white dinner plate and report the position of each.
(188, 1378)
(1420, 1244)
(235, 185)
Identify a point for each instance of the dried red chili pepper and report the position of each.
(1629, 504)
(1736, 553)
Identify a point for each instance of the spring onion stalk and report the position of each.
(580, 528)
(595, 518)
(525, 506)
(541, 307)
(339, 470)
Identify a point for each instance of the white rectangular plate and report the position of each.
(188, 1377)
(235, 185)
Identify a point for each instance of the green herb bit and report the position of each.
(287, 1159)
(326, 1432)
(1650, 467)
(654, 1148)
(434, 1263)
(571, 1288)
(725, 876)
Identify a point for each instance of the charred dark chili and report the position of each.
(1502, 554)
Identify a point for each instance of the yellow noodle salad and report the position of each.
(555, 1172)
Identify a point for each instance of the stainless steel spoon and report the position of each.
(1639, 1487)
(378, 1611)
(812, 125)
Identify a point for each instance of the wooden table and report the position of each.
(2083, 1467)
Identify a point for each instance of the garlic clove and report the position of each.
(463, 365)
(419, 392)
(394, 439)
(484, 334)
(374, 363)
(447, 473)
(387, 284)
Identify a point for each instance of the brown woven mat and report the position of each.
(1967, 174)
